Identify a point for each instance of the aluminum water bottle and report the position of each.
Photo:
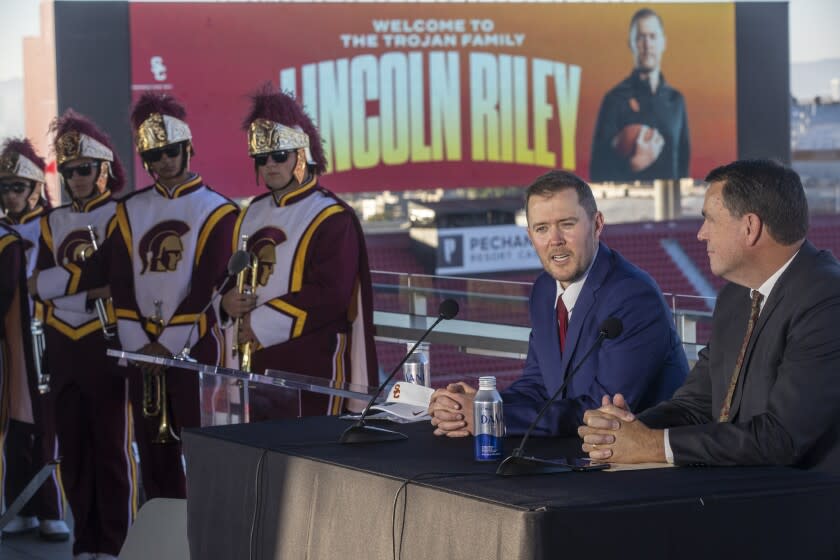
(488, 420)
(417, 370)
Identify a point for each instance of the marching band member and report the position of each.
(90, 393)
(30, 441)
(15, 346)
(312, 310)
(168, 253)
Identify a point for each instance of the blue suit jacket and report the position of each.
(645, 363)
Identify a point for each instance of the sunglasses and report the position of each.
(153, 156)
(277, 157)
(84, 170)
(17, 188)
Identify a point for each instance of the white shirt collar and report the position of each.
(768, 284)
(570, 294)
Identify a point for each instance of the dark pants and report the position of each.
(274, 403)
(161, 465)
(94, 435)
(27, 449)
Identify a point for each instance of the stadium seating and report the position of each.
(638, 242)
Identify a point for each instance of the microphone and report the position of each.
(362, 433)
(517, 464)
(237, 262)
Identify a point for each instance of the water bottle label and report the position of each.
(488, 447)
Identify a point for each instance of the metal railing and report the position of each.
(493, 320)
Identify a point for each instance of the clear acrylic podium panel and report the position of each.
(226, 394)
(224, 399)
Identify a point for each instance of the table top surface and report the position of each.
(447, 464)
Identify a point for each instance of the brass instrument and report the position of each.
(245, 285)
(39, 347)
(154, 393)
(109, 329)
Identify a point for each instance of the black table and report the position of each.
(287, 489)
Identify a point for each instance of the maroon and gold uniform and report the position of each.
(89, 390)
(313, 307)
(169, 252)
(312, 273)
(31, 440)
(15, 348)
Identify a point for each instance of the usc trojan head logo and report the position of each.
(262, 244)
(161, 248)
(76, 248)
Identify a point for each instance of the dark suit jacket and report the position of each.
(646, 363)
(786, 406)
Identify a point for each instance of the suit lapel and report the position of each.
(583, 307)
(776, 296)
(548, 338)
(766, 313)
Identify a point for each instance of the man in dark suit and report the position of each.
(583, 284)
(764, 390)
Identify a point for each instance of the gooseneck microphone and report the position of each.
(237, 262)
(517, 464)
(362, 433)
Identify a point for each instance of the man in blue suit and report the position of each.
(583, 284)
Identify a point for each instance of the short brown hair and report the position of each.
(769, 190)
(645, 13)
(558, 180)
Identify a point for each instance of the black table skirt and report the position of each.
(287, 489)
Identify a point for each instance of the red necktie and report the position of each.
(755, 309)
(562, 322)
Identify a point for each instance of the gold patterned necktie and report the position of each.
(754, 311)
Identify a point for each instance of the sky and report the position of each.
(18, 19)
(813, 30)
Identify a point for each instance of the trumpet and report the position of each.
(245, 285)
(154, 394)
(109, 329)
(39, 346)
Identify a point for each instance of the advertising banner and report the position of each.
(453, 95)
(484, 249)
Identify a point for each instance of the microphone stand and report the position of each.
(361, 432)
(184, 354)
(234, 268)
(517, 464)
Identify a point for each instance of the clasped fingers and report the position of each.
(600, 420)
(592, 437)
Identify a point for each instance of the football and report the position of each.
(624, 142)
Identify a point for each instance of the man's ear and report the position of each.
(754, 228)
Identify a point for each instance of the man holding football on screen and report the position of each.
(642, 129)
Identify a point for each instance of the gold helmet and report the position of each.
(74, 145)
(19, 159)
(159, 131)
(276, 122)
(158, 121)
(77, 137)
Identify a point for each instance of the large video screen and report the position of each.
(453, 95)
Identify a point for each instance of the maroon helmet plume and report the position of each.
(281, 107)
(71, 121)
(25, 148)
(152, 102)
